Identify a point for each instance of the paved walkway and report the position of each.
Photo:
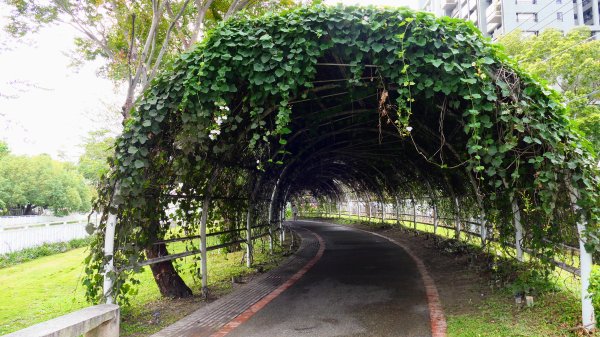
(364, 285)
(208, 319)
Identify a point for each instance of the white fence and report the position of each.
(17, 233)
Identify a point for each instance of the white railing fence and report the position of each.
(19, 233)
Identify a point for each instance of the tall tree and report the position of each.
(40, 181)
(134, 37)
(4, 150)
(569, 63)
(93, 163)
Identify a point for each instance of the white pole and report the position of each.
(271, 210)
(457, 218)
(518, 228)
(435, 219)
(585, 261)
(397, 211)
(281, 217)
(203, 257)
(414, 205)
(109, 248)
(249, 236)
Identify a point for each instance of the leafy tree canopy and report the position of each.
(4, 150)
(93, 163)
(569, 63)
(27, 182)
(134, 37)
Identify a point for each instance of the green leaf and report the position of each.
(377, 47)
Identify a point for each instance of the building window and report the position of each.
(559, 2)
(530, 32)
(559, 16)
(522, 17)
(525, 2)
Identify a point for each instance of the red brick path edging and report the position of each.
(243, 317)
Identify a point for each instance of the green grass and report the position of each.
(553, 314)
(48, 287)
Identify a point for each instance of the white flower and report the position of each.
(224, 118)
(215, 132)
(212, 137)
(218, 120)
(409, 128)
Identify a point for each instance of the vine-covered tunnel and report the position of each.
(381, 103)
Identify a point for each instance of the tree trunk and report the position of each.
(168, 280)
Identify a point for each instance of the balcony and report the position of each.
(491, 27)
(448, 4)
(494, 13)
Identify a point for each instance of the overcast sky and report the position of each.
(46, 106)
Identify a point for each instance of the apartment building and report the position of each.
(497, 17)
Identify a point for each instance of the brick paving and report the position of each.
(208, 319)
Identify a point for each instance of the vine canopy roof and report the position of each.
(382, 102)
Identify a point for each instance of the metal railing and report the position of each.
(473, 230)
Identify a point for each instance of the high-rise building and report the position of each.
(497, 17)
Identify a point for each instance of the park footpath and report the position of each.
(223, 315)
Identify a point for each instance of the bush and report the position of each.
(47, 249)
(594, 288)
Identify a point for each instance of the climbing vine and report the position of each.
(230, 104)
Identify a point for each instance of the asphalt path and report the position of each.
(363, 285)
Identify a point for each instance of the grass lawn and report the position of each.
(553, 314)
(50, 286)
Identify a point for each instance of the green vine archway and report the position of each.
(382, 101)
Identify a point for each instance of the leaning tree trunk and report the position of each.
(167, 279)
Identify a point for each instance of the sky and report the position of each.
(47, 106)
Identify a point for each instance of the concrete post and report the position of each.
(585, 260)
(580, 19)
(107, 329)
(595, 14)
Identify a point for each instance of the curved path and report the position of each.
(364, 285)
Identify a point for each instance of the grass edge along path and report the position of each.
(555, 312)
(50, 286)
